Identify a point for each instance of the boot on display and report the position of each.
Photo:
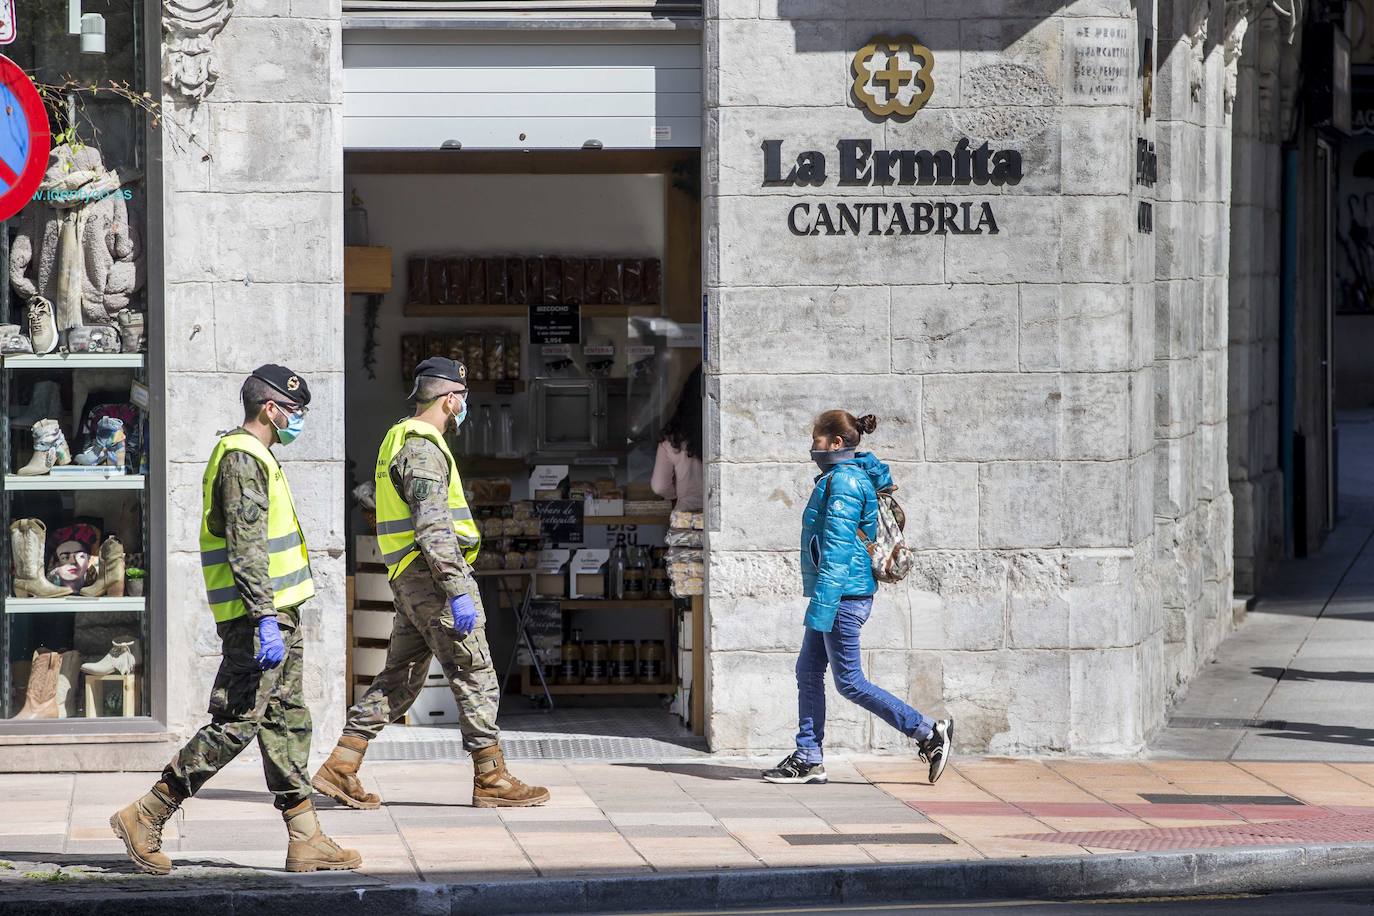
(42, 325)
(67, 674)
(107, 449)
(338, 777)
(49, 449)
(27, 537)
(110, 582)
(121, 659)
(40, 697)
(493, 786)
(309, 848)
(140, 827)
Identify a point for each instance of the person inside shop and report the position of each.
(429, 540)
(678, 471)
(257, 575)
(837, 575)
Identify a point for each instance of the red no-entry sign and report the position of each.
(24, 138)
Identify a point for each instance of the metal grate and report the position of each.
(570, 748)
(1222, 722)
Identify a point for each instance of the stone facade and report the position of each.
(1052, 398)
(252, 172)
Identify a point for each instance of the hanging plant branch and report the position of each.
(66, 104)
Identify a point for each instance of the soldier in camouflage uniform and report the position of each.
(258, 693)
(438, 607)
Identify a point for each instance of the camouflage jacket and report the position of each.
(238, 513)
(420, 473)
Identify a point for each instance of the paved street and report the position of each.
(1296, 681)
(638, 819)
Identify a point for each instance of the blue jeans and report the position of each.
(840, 650)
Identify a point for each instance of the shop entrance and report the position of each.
(569, 285)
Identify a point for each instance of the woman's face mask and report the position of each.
(295, 423)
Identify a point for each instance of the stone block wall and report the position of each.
(1192, 501)
(1253, 356)
(1015, 376)
(252, 229)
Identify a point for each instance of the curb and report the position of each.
(1234, 870)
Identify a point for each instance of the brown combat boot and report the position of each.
(140, 827)
(310, 849)
(494, 787)
(338, 778)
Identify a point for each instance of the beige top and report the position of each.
(678, 477)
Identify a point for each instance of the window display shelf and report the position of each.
(74, 604)
(529, 684)
(625, 520)
(602, 604)
(14, 482)
(74, 361)
(419, 310)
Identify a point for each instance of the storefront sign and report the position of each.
(893, 77)
(24, 138)
(555, 324)
(560, 520)
(7, 21)
(858, 163)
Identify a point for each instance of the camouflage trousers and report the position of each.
(423, 629)
(247, 703)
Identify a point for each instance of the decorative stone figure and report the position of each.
(76, 245)
(189, 28)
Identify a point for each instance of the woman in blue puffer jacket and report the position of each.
(837, 575)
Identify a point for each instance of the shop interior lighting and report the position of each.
(592, 144)
(451, 144)
(91, 28)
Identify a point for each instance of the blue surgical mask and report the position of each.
(292, 430)
(462, 415)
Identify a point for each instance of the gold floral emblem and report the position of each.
(900, 83)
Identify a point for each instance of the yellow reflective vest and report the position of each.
(395, 527)
(287, 561)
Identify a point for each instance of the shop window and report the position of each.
(74, 621)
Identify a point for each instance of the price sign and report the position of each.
(555, 324)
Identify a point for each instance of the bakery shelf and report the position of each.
(598, 604)
(529, 684)
(420, 310)
(74, 361)
(625, 520)
(13, 482)
(497, 386)
(74, 604)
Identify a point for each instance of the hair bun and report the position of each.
(867, 423)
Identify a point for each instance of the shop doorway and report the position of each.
(569, 283)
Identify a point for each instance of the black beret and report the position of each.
(440, 367)
(290, 384)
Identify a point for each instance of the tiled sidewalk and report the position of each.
(644, 818)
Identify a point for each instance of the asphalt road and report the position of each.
(1335, 903)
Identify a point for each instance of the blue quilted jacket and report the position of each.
(833, 561)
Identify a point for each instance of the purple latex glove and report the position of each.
(464, 614)
(271, 648)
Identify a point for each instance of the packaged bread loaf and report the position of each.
(417, 281)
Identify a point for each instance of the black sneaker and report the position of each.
(795, 771)
(935, 749)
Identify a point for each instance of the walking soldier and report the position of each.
(428, 540)
(257, 576)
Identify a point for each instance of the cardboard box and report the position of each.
(588, 576)
(434, 706)
(551, 580)
(600, 508)
(372, 586)
(365, 550)
(372, 624)
(548, 480)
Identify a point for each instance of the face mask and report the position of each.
(291, 431)
(826, 459)
(459, 417)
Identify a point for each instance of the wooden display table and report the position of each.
(95, 696)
